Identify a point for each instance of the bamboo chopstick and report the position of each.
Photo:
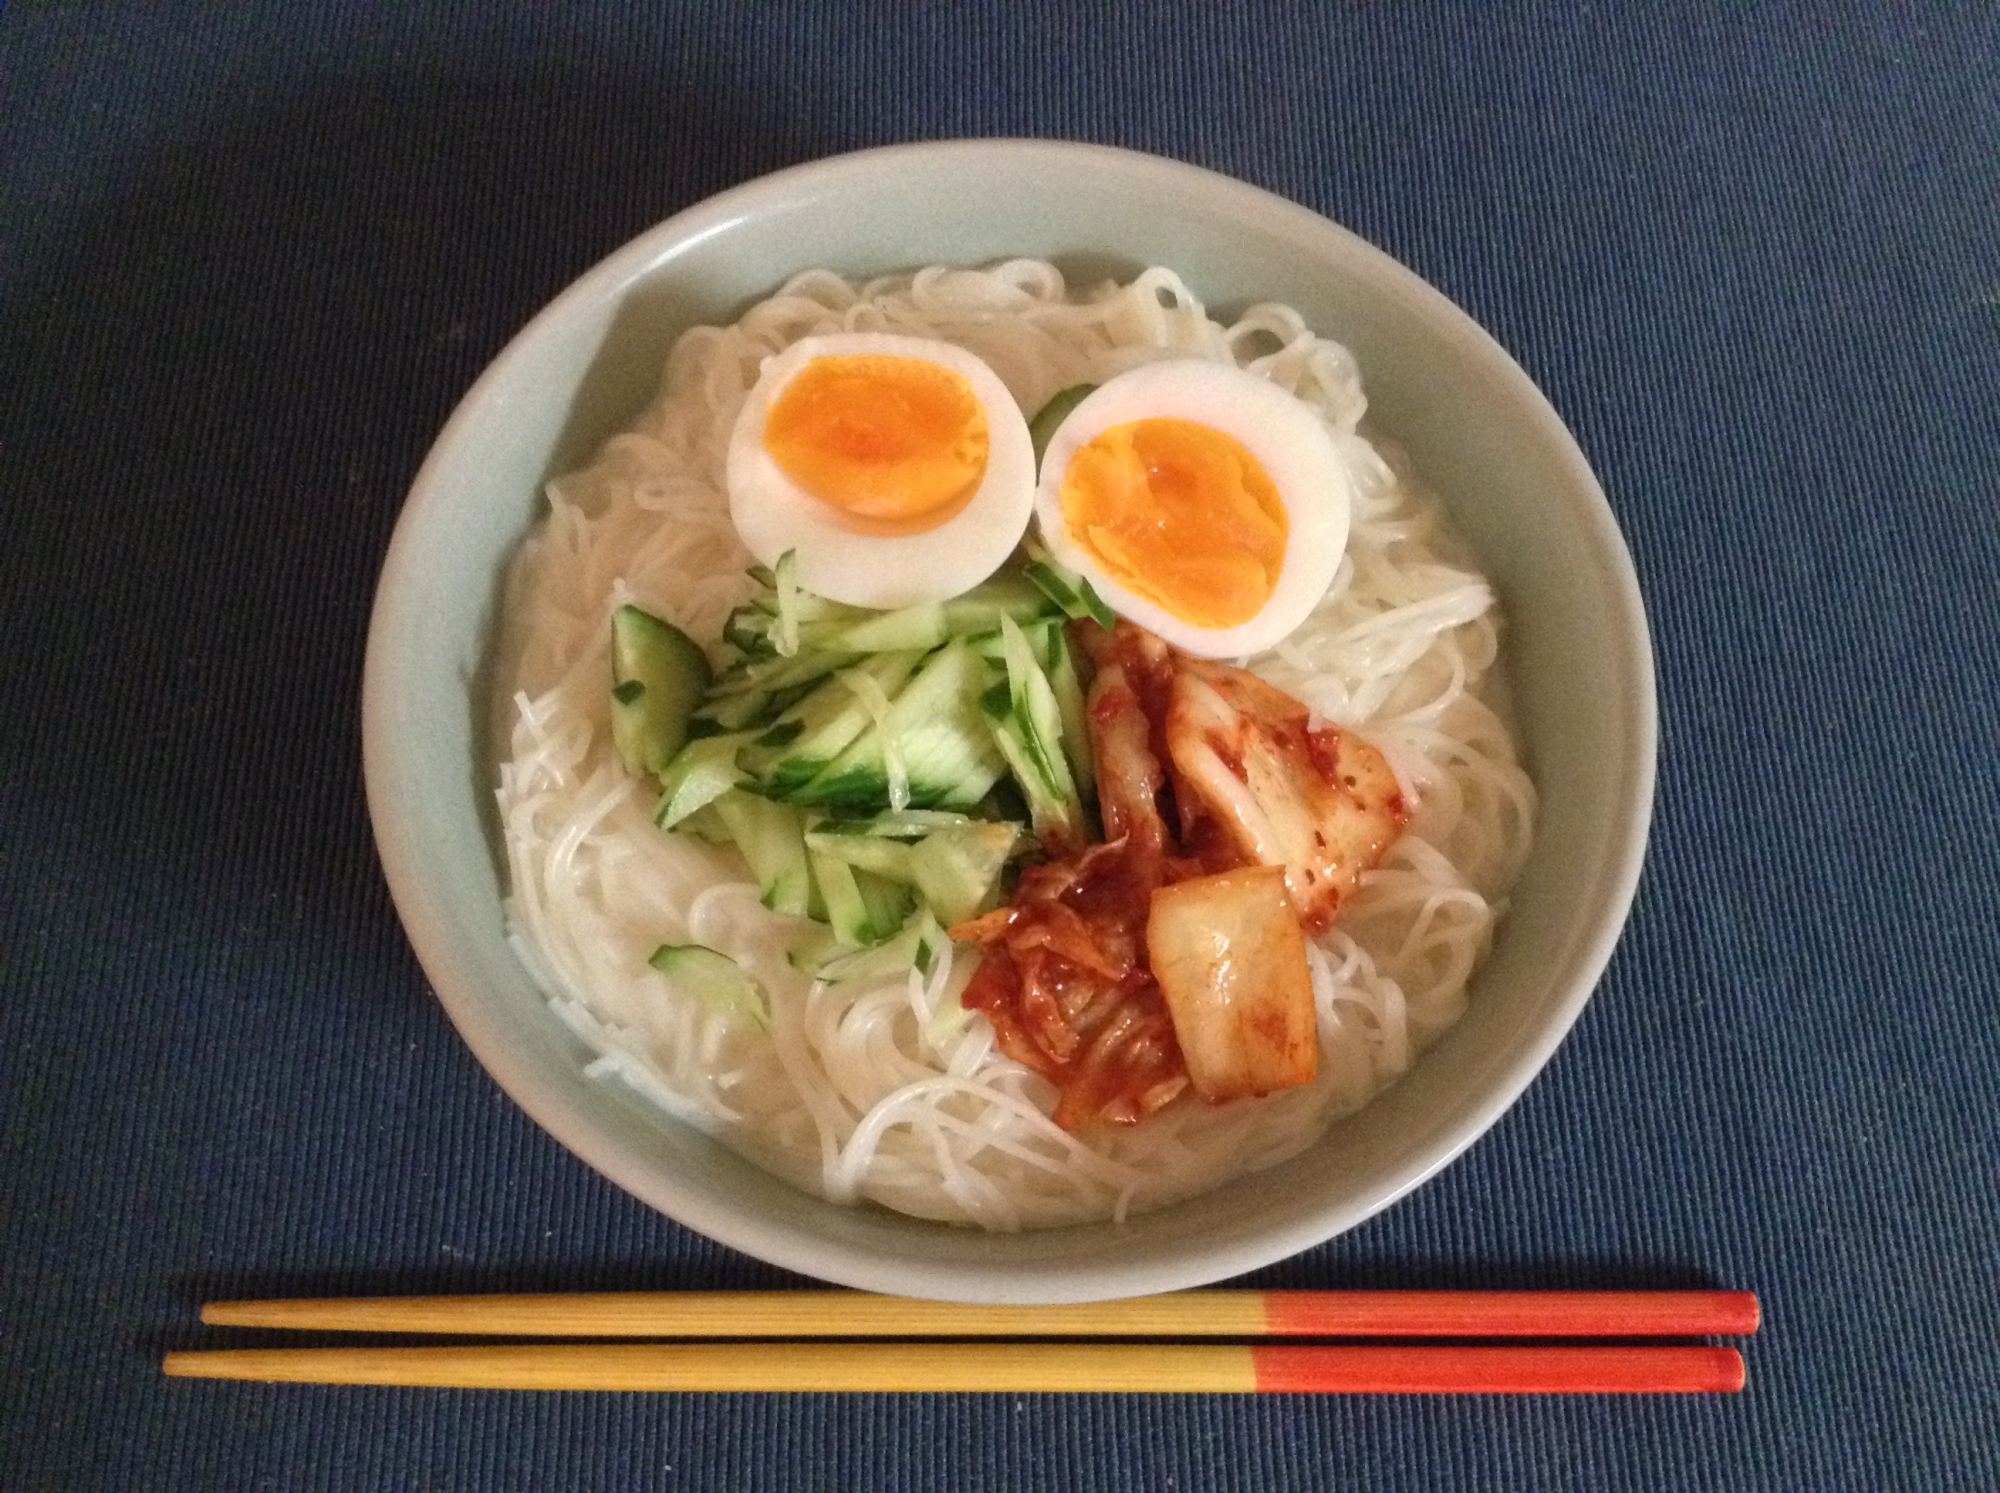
(810, 1314)
(987, 1367)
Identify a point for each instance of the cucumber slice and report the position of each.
(658, 676)
(773, 840)
(700, 773)
(714, 979)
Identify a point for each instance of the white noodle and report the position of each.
(894, 1094)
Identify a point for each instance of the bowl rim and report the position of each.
(428, 918)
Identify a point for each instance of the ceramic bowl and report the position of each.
(1480, 434)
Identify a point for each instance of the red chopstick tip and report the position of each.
(1474, 1314)
(1511, 1370)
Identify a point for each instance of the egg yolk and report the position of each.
(1180, 514)
(894, 445)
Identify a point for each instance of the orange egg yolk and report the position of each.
(893, 445)
(1181, 515)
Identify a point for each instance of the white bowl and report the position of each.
(1479, 433)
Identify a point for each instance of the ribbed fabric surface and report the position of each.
(252, 254)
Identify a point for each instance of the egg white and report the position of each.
(1292, 444)
(773, 514)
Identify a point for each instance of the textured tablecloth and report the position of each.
(250, 256)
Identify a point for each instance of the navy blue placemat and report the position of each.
(250, 256)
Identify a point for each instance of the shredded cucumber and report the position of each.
(857, 758)
(1030, 736)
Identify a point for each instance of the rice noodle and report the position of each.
(893, 1094)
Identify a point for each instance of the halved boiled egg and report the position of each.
(1203, 502)
(899, 469)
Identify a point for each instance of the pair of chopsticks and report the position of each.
(898, 1354)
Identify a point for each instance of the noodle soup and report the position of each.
(887, 1090)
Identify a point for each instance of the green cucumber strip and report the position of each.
(812, 950)
(774, 675)
(772, 839)
(888, 903)
(1048, 810)
(756, 691)
(747, 631)
(809, 606)
(1030, 738)
(785, 582)
(989, 649)
(658, 674)
(714, 979)
(917, 945)
(929, 625)
(1055, 585)
(957, 871)
(920, 626)
(707, 825)
(1067, 684)
(846, 913)
(1021, 663)
(1007, 594)
(933, 623)
(1034, 706)
(910, 824)
(816, 729)
(700, 773)
(780, 609)
(876, 700)
(722, 714)
(948, 751)
(879, 854)
(1048, 419)
(1070, 591)
(1095, 606)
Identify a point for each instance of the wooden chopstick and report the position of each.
(814, 1314)
(1016, 1368)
